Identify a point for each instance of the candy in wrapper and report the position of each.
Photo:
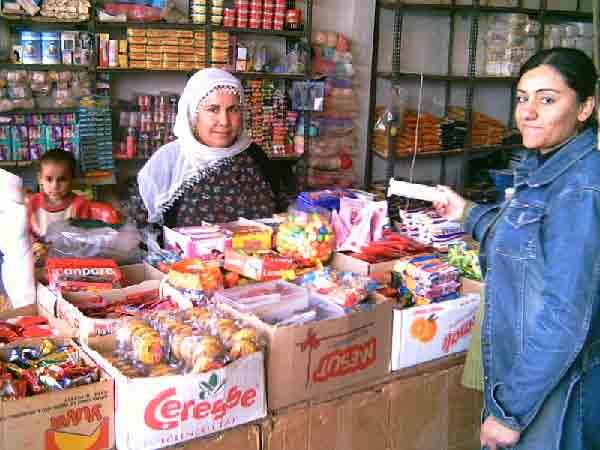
(33, 381)
(50, 383)
(18, 358)
(15, 370)
(46, 347)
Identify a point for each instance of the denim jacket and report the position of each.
(540, 252)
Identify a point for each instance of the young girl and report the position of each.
(56, 202)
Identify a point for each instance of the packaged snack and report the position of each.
(344, 288)
(307, 237)
(83, 274)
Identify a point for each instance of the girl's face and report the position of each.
(56, 181)
(219, 119)
(547, 111)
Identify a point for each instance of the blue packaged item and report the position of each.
(51, 47)
(32, 47)
(327, 198)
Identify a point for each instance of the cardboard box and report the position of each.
(132, 274)
(138, 278)
(308, 361)
(79, 418)
(155, 412)
(245, 437)
(345, 262)
(66, 308)
(417, 409)
(424, 333)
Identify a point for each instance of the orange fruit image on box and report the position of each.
(63, 440)
(424, 330)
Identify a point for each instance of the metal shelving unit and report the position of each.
(469, 81)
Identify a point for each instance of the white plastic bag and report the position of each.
(15, 246)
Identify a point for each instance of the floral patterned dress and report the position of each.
(237, 189)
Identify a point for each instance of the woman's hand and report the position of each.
(451, 205)
(494, 435)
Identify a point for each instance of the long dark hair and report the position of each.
(576, 68)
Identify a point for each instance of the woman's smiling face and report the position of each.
(547, 110)
(219, 119)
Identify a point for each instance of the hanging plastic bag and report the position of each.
(15, 246)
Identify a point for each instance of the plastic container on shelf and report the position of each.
(32, 47)
(51, 48)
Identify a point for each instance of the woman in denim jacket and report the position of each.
(540, 250)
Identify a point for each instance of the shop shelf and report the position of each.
(282, 33)
(71, 67)
(132, 24)
(441, 77)
(42, 24)
(39, 111)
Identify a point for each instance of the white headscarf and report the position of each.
(179, 164)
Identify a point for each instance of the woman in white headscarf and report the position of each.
(212, 172)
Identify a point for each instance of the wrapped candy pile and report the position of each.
(193, 341)
(32, 369)
(307, 237)
(344, 288)
(428, 278)
(429, 228)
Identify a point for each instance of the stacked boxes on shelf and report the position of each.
(27, 137)
(510, 40)
(198, 11)
(52, 47)
(220, 50)
(267, 119)
(147, 125)
(157, 49)
(577, 35)
(95, 132)
(265, 14)
(26, 89)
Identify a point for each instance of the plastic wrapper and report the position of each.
(467, 261)
(307, 237)
(42, 367)
(358, 222)
(195, 340)
(67, 240)
(79, 274)
(344, 288)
